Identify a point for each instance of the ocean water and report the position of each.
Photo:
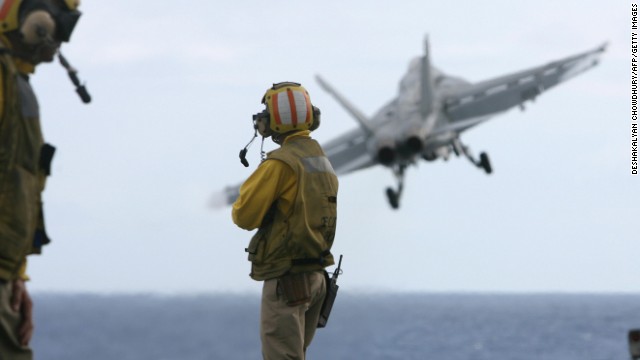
(362, 326)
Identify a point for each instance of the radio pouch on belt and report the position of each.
(330, 298)
(295, 288)
(46, 155)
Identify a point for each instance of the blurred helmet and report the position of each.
(57, 17)
(289, 109)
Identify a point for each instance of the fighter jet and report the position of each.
(431, 110)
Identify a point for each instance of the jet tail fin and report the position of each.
(357, 114)
(426, 82)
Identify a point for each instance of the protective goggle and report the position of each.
(65, 23)
(261, 116)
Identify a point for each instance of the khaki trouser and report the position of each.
(286, 331)
(10, 348)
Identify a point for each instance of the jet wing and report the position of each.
(500, 94)
(348, 152)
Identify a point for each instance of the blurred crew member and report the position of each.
(291, 199)
(31, 32)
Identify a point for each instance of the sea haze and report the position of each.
(371, 326)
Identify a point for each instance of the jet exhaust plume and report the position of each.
(218, 200)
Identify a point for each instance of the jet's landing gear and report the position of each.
(394, 195)
(483, 163)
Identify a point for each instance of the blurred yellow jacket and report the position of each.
(22, 173)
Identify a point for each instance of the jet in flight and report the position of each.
(431, 110)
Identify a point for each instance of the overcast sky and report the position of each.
(174, 87)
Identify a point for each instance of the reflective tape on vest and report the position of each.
(317, 164)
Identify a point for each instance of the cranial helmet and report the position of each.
(288, 109)
(39, 19)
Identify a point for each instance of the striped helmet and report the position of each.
(290, 108)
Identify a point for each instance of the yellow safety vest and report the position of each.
(22, 170)
(301, 240)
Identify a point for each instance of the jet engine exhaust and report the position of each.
(386, 155)
(413, 144)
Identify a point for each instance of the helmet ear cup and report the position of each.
(37, 27)
(316, 119)
(263, 125)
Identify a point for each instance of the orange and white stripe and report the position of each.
(5, 6)
(290, 107)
